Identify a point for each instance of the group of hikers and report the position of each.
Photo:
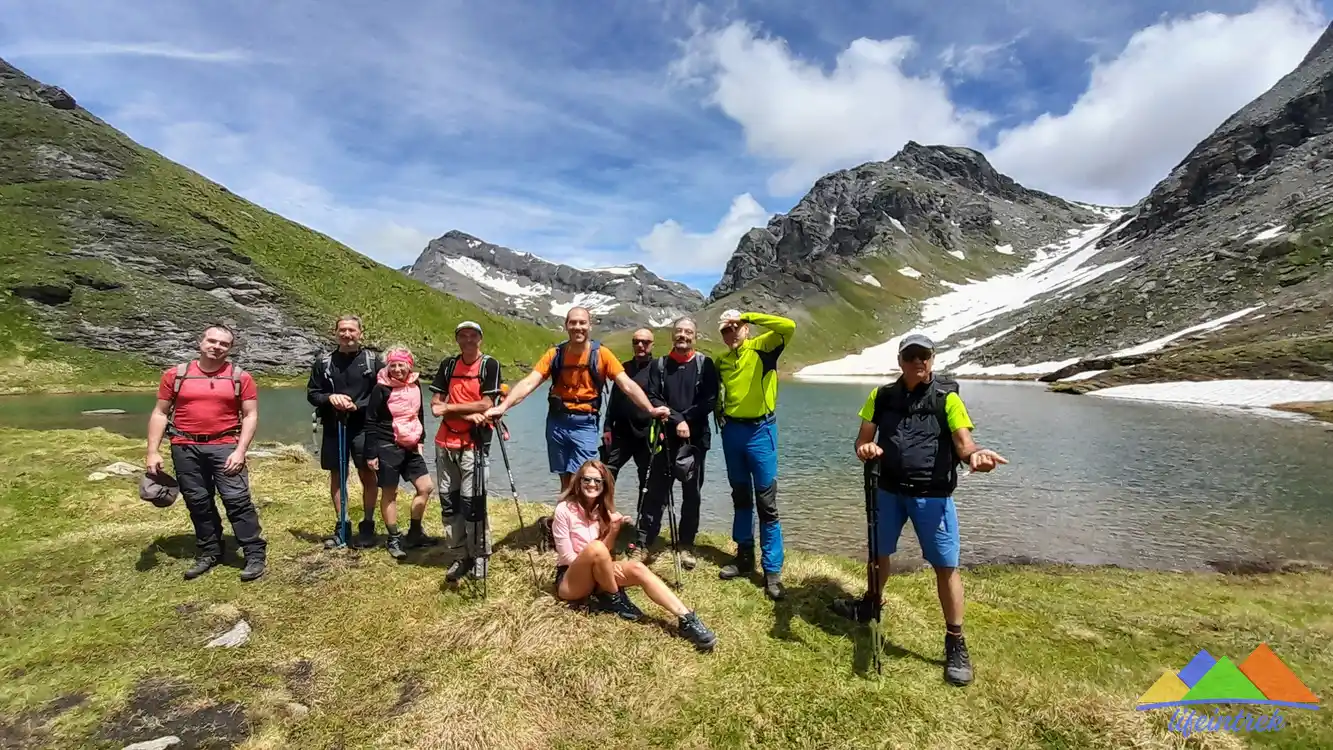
(914, 434)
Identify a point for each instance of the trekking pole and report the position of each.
(513, 489)
(872, 528)
(671, 514)
(478, 496)
(343, 531)
(655, 438)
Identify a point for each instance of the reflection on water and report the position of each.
(1089, 480)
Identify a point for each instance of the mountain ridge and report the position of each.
(529, 287)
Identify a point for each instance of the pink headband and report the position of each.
(401, 356)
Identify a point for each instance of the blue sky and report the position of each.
(652, 131)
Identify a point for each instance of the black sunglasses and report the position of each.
(642, 342)
(915, 355)
(594, 481)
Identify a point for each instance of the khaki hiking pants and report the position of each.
(462, 478)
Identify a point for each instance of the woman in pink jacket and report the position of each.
(585, 525)
(395, 428)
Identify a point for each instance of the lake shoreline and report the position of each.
(320, 643)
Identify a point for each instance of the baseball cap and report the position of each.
(159, 489)
(467, 324)
(915, 339)
(683, 467)
(730, 316)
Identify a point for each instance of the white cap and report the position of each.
(730, 316)
(467, 324)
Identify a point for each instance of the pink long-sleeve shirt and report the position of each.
(573, 529)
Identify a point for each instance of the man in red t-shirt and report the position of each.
(464, 388)
(210, 416)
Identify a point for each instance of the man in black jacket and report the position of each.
(686, 382)
(339, 389)
(626, 434)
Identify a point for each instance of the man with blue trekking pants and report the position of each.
(748, 372)
(924, 433)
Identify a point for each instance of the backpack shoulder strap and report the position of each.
(595, 364)
(181, 369)
(236, 374)
(558, 361)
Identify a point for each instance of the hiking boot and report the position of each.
(457, 569)
(618, 603)
(860, 609)
(335, 541)
(395, 546)
(741, 564)
(773, 586)
(202, 565)
(254, 568)
(416, 537)
(694, 631)
(479, 566)
(365, 535)
(957, 662)
(687, 559)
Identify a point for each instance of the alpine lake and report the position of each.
(1090, 481)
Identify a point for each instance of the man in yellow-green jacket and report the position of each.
(747, 413)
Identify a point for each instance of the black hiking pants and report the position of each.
(199, 472)
(623, 447)
(655, 498)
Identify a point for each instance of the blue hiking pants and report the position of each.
(751, 452)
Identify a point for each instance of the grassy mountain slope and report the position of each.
(114, 257)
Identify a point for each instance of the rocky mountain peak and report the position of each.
(944, 200)
(965, 166)
(526, 286)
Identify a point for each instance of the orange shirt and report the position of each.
(573, 381)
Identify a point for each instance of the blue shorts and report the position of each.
(571, 439)
(934, 520)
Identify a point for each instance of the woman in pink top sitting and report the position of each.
(585, 525)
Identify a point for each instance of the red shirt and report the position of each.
(206, 404)
(465, 386)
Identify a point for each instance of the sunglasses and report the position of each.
(729, 329)
(916, 355)
(591, 481)
(642, 342)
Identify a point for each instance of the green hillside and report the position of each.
(114, 257)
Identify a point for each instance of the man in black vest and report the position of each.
(924, 433)
(686, 382)
(627, 425)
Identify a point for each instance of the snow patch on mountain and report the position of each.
(1056, 267)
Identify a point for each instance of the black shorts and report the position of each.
(356, 446)
(398, 463)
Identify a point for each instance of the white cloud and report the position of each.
(979, 60)
(1171, 85)
(1143, 111)
(674, 250)
(793, 111)
(143, 49)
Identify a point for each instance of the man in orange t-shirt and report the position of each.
(575, 400)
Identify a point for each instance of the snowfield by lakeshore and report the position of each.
(1247, 393)
(1056, 267)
